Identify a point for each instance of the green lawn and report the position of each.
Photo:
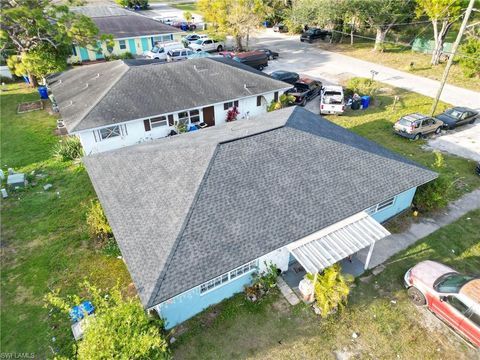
(388, 325)
(186, 6)
(45, 244)
(400, 58)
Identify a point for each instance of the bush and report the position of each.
(470, 63)
(97, 222)
(263, 282)
(362, 86)
(69, 148)
(432, 195)
(331, 289)
(122, 56)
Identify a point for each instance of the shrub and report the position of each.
(263, 282)
(283, 101)
(97, 222)
(122, 56)
(69, 148)
(432, 195)
(232, 114)
(470, 63)
(362, 86)
(331, 289)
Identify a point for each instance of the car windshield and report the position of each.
(404, 122)
(155, 49)
(237, 59)
(310, 32)
(453, 113)
(451, 283)
(199, 41)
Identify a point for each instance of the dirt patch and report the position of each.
(29, 106)
(24, 295)
(281, 306)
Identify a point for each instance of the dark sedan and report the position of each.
(458, 116)
(286, 76)
(271, 54)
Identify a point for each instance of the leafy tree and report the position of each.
(442, 14)
(237, 18)
(187, 15)
(283, 101)
(331, 289)
(41, 34)
(120, 328)
(469, 54)
(142, 4)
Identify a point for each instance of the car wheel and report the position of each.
(303, 103)
(417, 136)
(471, 121)
(416, 296)
(260, 67)
(438, 130)
(310, 41)
(198, 50)
(220, 48)
(270, 57)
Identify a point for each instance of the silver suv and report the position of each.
(414, 126)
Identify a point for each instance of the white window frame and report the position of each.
(122, 43)
(119, 130)
(228, 277)
(189, 116)
(381, 206)
(158, 121)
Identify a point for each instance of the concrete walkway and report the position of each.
(287, 292)
(394, 243)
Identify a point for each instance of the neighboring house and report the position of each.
(196, 214)
(132, 32)
(124, 102)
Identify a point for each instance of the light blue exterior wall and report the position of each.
(184, 306)
(145, 44)
(84, 54)
(402, 202)
(132, 46)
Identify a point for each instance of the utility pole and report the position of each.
(452, 55)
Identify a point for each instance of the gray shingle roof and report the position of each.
(113, 96)
(94, 11)
(189, 208)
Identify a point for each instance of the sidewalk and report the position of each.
(394, 243)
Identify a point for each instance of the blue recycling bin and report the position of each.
(43, 91)
(365, 101)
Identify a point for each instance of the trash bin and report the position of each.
(355, 105)
(43, 91)
(365, 101)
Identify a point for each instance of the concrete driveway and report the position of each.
(166, 11)
(463, 141)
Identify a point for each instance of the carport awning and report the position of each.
(336, 242)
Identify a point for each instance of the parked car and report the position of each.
(207, 45)
(414, 126)
(159, 51)
(280, 28)
(286, 76)
(227, 54)
(271, 54)
(256, 59)
(313, 34)
(179, 54)
(187, 40)
(452, 296)
(304, 90)
(184, 25)
(458, 116)
(332, 100)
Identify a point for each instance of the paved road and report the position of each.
(307, 59)
(166, 11)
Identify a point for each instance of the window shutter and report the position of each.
(146, 123)
(259, 101)
(235, 103)
(225, 106)
(275, 96)
(170, 120)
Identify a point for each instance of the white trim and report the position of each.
(143, 36)
(375, 208)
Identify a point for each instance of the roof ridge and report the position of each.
(168, 262)
(102, 95)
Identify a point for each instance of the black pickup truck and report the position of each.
(305, 90)
(313, 34)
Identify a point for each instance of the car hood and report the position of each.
(445, 118)
(429, 271)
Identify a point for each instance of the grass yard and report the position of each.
(400, 58)
(186, 6)
(387, 324)
(45, 243)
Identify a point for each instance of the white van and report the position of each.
(332, 100)
(160, 50)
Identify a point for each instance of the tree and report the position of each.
(187, 15)
(232, 17)
(42, 35)
(382, 15)
(331, 289)
(469, 55)
(120, 328)
(442, 14)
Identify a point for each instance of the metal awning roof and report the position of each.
(336, 242)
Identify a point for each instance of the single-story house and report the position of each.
(196, 214)
(132, 32)
(124, 102)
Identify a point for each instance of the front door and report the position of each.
(209, 116)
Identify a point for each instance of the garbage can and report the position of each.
(355, 105)
(43, 91)
(365, 101)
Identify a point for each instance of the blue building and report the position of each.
(196, 215)
(131, 32)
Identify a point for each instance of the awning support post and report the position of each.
(369, 256)
(312, 296)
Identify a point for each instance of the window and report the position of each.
(109, 132)
(191, 115)
(259, 101)
(74, 51)
(158, 121)
(475, 318)
(194, 116)
(122, 44)
(183, 117)
(457, 304)
(451, 282)
(227, 105)
(222, 279)
(385, 204)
